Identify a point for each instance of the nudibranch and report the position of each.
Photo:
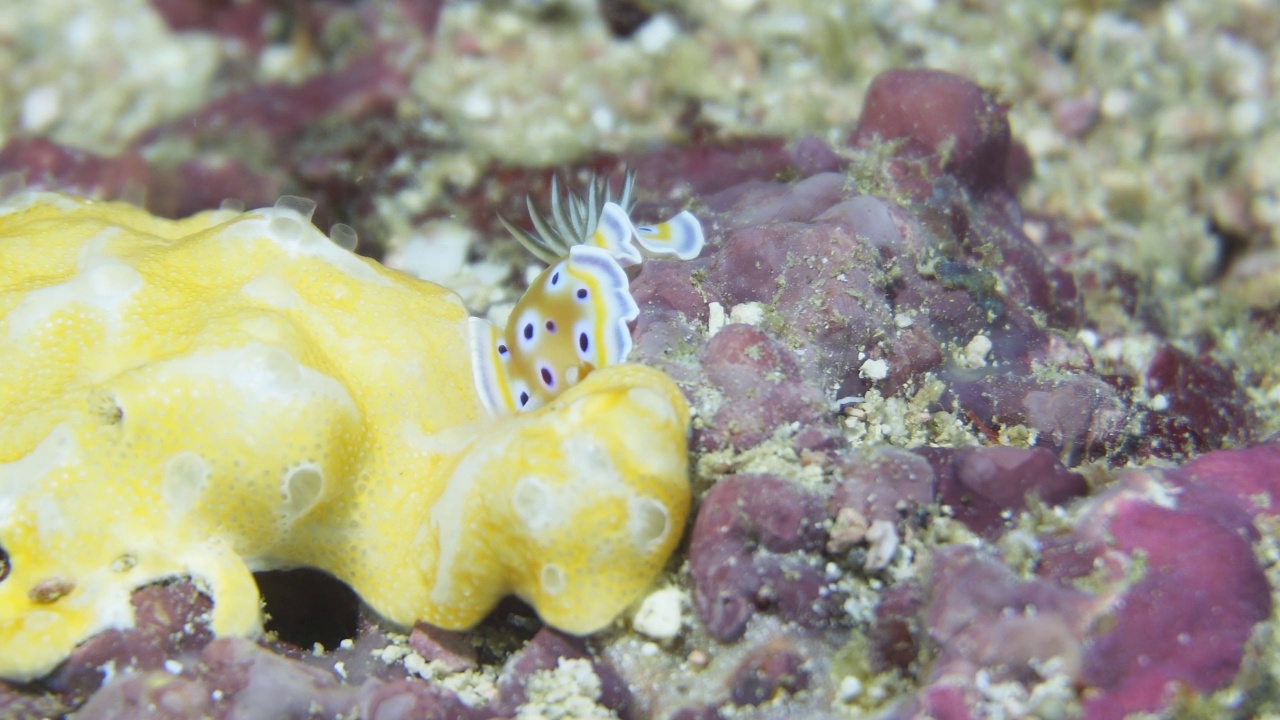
(574, 317)
(232, 392)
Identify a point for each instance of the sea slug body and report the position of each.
(574, 317)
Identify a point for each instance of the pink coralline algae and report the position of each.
(257, 141)
(233, 678)
(980, 615)
(1120, 616)
(754, 546)
(1185, 621)
(1204, 405)
(753, 370)
(885, 484)
(169, 666)
(986, 487)
(847, 275)
(1156, 592)
(767, 672)
(544, 652)
(162, 632)
(927, 109)
(760, 543)
(1251, 476)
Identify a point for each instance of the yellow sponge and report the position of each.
(234, 392)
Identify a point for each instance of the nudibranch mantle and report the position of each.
(233, 392)
(575, 315)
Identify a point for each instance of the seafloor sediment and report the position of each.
(983, 348)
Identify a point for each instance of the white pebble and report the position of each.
(661, 614)
(1116, 103)
(436, 254)
(655, 35)
(883, 539)
(748, 313)
(476, 105)
(874, 370)
(850, 689)
(975, 353)
(1246, 117)
(1176, 24)
(1042, 141)
(41, 108)
(715, 318)
(602, 119)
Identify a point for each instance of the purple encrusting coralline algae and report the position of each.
(906, 265)
(893, 266)
(1155, 590)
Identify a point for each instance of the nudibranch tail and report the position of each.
(679, 237)
(614, 235)
(572, 320)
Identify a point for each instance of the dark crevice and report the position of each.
(504, 631)
(1232, 245)
(306, 606)
(624, 17)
